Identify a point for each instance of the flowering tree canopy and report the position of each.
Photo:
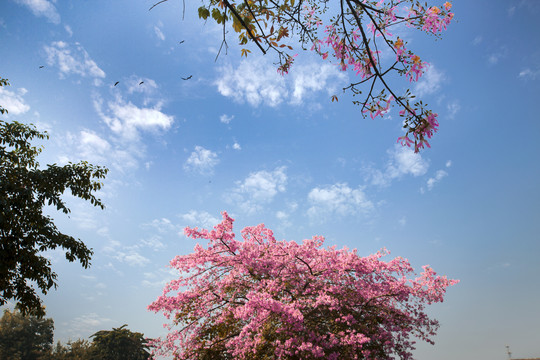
(265, 299)
(356, 35)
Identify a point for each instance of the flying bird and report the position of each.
(116, 83)
(142, 82)
(181, 42)
(189, 77)
(42, 66)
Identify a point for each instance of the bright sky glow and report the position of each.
(237, 136)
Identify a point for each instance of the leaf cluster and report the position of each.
(25, 232)
(27, 337)
(120, 344)
(24, 337)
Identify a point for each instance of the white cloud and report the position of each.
(405, 161)
(236, 146)
(439, 175)
(253, 81)
(338, 199)
(133, 259)
(127, 119)
(285, 215)
(13, 101)
(137, 84)
(159, 278)
(448, 163)
(86, 324)
(153, 243)
(402, 161)
(402, 221)
(257, 82)
(453, 108)
(68, 30)
(529, 74)
(477, 40)
(126, 254)
(497, 55)
(158, 32)
(94, 148)
(42, 8)
(92, 145)
(430, 82)
(200, 219)
(72, 60)
(162, 225)
(305, 82)
(258, 188)
(202, 161)
(282, 215)
(226, 119)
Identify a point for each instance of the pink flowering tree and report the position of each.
(358, 36)
(258, 298)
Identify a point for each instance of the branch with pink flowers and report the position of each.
(353, 35)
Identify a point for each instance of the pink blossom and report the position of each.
(262, 298)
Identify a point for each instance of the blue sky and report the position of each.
(276, 150)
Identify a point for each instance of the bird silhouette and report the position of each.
(189, 77)
(142, 82)
(42, 66)
(181, 42)
(116, 83)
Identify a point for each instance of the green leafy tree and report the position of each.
(119, 344)
(73, 350)
(25, 232)
(25, 337)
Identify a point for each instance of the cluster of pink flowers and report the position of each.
(284, 68)
(434, 21)
(377, 109)
(262, 298)
(427, 128)
(310, 20)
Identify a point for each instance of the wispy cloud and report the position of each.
(529, 74)
(338, 199)
(42, 8)
(130, 255)
(439, 175)
(159, 278)
(284, 216)
(68, 30)
(158, 31)
(257, 189)
(72, 59)
(453, 108)
(495, 56)
(477, 40)
(96, 149)
(162, 225)
(202, 161)
(200, 219)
